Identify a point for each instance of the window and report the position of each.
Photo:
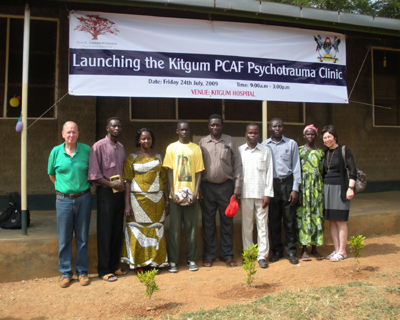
(289, 112)
(386, 81)
(164, 109)
(42, 65)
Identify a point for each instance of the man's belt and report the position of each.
(277, 180)
(73, 196)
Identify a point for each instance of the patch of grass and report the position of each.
(393, 289)
(380, 275)
(356, 300)
(357, 284)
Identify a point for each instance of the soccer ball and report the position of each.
(184, 194)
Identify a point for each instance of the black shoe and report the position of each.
(263, 263)
(275, 257)
(292, 258)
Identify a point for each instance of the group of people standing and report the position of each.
(301, 186)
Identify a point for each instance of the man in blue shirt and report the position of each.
(287, 178)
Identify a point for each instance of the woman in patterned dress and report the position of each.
(310, 215)
(146, 206)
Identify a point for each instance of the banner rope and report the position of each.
(48, 110)
(362, 65)
(371, 105)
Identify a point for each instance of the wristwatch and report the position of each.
(352, 188)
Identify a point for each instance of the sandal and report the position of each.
(120, 272)
(328, 257)
(317, 256)
(305, 256)
(338, 257)
(109, 277)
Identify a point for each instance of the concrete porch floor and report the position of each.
(36, 255)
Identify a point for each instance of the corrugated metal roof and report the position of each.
(271, 11)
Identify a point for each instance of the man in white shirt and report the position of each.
(257, 189)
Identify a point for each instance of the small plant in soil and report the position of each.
(356, 243)
(250, 263)
(148, 278)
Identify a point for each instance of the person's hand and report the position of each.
(294, 198)
(349, 194)
(175, 199)
(238, 193)
(128, 210)
(167, 207)
(200, 196)
(190, 203)
(117, 185)
(265, 202)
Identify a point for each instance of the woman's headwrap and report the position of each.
(310, 126)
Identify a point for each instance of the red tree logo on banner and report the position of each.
(96, 26)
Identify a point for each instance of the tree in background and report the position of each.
(387, 9)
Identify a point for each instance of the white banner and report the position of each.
(144, 56)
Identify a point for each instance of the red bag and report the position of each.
(232, 208)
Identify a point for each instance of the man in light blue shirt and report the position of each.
(287, 178)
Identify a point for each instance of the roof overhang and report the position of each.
(270, 11)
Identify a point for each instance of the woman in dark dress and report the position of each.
(339, 185)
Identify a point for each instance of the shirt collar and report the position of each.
(111, 142)
(210, 139)
(283, 140)
(256, 147)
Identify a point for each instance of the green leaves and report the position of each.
(148, 278)
(250, 263)
(356, 243)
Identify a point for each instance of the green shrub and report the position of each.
(250, 263)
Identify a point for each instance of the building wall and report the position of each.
(376, 150)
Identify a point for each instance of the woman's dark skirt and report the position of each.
(335, 209)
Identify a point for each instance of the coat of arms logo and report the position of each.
(327, 49)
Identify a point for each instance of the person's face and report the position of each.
(329, 140)
(114, 128)
(145, 140)
(183, 131)
(184, 161)
(70, 133)
(310, 136)
(215, 127)
(276, 128)
(252, 135)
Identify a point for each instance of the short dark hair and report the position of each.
(139, 133)
(113, 118)
(275, 119)
(182, 121)
(330, 129)
(215, 116)
(251, 125)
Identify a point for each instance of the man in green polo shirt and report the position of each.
(67, 169)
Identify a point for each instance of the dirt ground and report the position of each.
(187, 291)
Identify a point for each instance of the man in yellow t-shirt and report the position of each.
(182, 158)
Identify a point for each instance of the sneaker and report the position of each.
(65, 282)
(83, 280)
(172, 267)
(192, 266)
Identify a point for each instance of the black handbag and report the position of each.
(361, 181)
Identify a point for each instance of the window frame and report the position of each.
(373, 86)
(56, 82)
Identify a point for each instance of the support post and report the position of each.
(264, 121)
(24, 111)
